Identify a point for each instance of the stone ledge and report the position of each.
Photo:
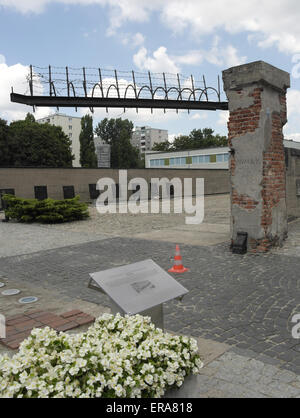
(254, 73)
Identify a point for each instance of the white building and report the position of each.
(72, 127)
(209, 158)
(103, 153)
(145, 137)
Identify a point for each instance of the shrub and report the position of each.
(118, 357)
(45, 211)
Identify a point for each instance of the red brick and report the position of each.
(28, 325)
(71, 313)
(66, 327)
(17, 319)
(49, 317)
(83, 320)
(57, 322)
(36, 314)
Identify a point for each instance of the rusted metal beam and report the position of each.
(65, 101)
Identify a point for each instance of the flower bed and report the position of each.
(117, 358)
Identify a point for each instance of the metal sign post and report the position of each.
(139, 288)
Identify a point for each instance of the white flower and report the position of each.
(105, 354)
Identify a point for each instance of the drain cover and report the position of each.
(28, 299)
(11, 292)
(2, 284)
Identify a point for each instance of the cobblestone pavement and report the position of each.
(292, 243)
(234, 375)
(244, 301)
(24, 239)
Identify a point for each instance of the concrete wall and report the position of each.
(23, 180)
(256, 94)
(292, 158)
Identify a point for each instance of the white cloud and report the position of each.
(199, 116)
(133, 40)
(293, 102)
(138, 39)
(293, 136)
(223, 118)
(225, 56)
(160, 62)
(15, 76)
(275, 23)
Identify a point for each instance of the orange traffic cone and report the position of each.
(178, 266)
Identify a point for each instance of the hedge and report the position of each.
(48, 211)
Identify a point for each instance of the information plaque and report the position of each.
(139, 288)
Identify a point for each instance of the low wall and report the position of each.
(24, 180)
(292, 159)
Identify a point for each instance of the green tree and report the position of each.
(88, 156)
(163, 146)
(117, 133)
(5, 155)
(30, 117)
(197, 139)
(37, 145)
(182, 142)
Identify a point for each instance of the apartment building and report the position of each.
(145, 137)
(71, 125)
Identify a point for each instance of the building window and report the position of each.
(70, 119)
(40, 192)
(70, 127)
(213, 158)
(69, 192)
(94, 193)
(220, 158)
(70, 135)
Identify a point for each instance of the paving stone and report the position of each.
(67, 326)
(71, 313)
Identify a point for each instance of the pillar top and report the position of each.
(258, 72)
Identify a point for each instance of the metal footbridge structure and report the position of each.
(98, 88)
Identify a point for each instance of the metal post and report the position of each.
(151, 89)
(193, 87)
(166, 92)
(50, 81)
(205, 89)
(67, 76)
(117, 84)
(84, 82)
(134, 84)
(31, 81)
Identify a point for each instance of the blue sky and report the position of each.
(187, 36)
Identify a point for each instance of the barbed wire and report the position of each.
(108, 83)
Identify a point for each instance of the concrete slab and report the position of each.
(181, 236)
(210, 350)
(212, 228)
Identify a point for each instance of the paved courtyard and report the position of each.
(240, 307)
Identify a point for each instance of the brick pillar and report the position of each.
(257, 104)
